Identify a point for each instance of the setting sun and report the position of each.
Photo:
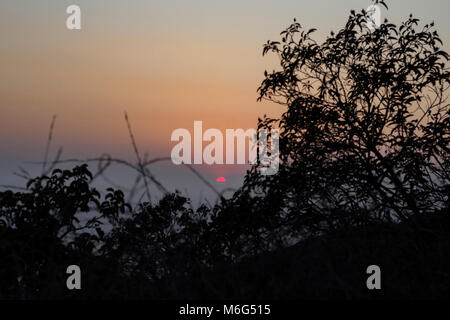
(221, 180)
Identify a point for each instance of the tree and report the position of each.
(55, 222)
(366, 130)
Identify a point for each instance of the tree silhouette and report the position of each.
(367, 127)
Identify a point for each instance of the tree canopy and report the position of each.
(366, 129)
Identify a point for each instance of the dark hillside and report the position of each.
(415, 263)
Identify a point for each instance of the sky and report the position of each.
(166, 63)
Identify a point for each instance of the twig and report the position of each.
(49, 141)
(136, 151)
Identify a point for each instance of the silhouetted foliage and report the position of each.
(364, 178)
(367, 128)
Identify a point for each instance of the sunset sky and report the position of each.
(167, 63)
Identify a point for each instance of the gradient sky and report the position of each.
(167, 63)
